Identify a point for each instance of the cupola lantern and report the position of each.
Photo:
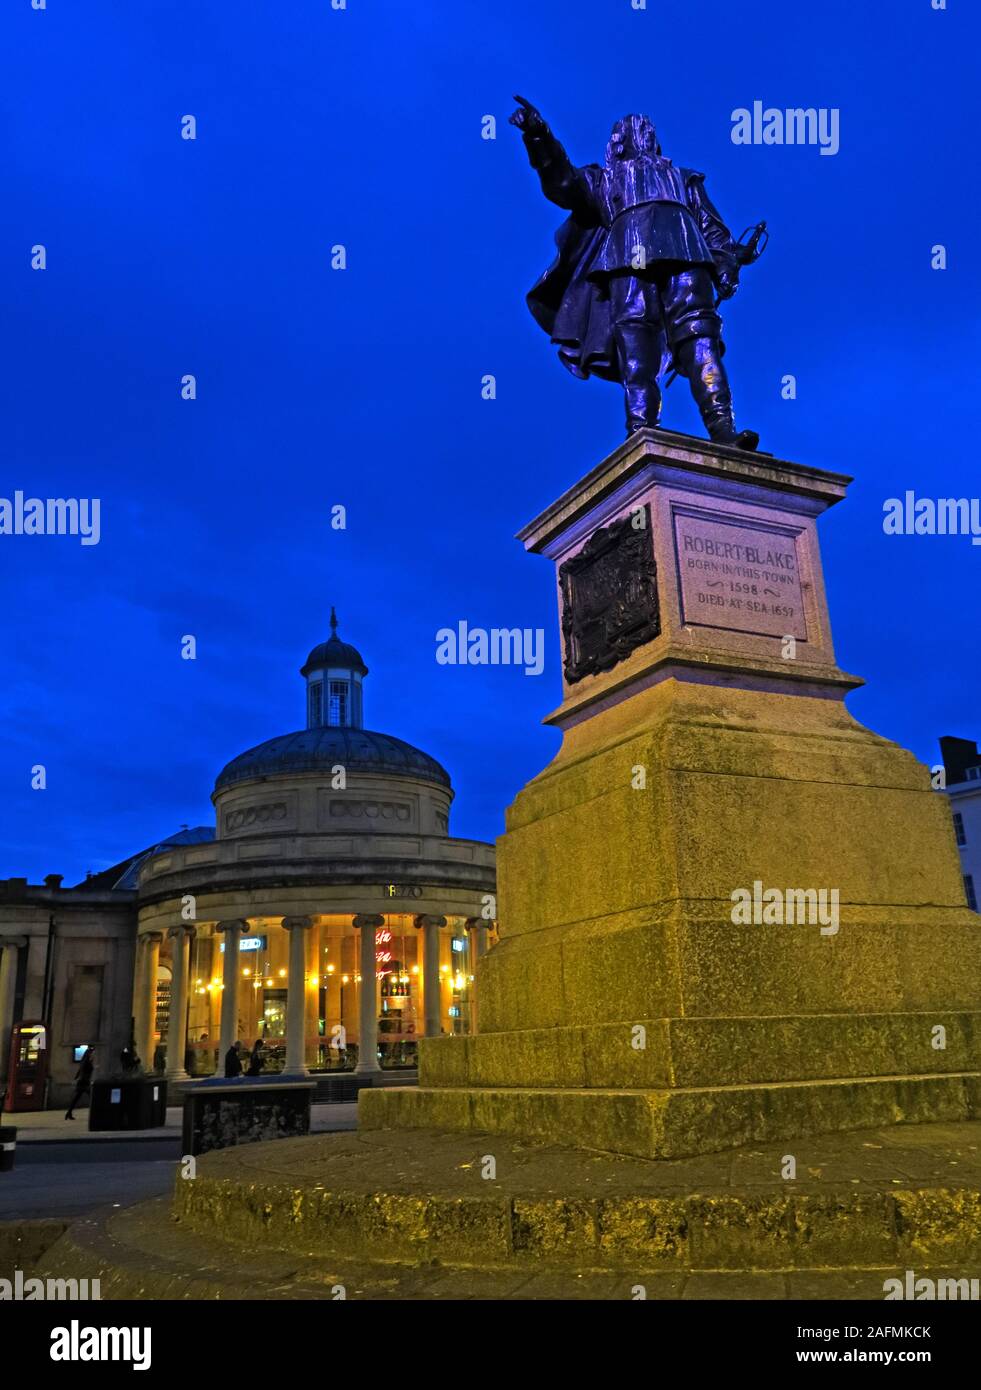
(334, 671)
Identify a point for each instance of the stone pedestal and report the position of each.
(729, 912)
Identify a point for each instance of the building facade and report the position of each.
(962, 776)
(66, 975)
(329, 913)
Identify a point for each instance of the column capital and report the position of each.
(13, 941)
(364, 919)
(185, 928)
(147, 938)
(232, 924)
(426, 919)
(297, 923)
(472, 923)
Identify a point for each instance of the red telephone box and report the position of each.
(28, 1069)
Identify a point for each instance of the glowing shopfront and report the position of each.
(332, 984)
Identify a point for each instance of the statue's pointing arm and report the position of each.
(717, 236)
(562, 183)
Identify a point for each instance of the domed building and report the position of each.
(329, 913)
(332, 915)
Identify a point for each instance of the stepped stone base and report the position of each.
(728, 912)
(413, 1215)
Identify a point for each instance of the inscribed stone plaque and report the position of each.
(738, 575)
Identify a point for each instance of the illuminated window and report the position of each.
(337, 703)
(315, 698)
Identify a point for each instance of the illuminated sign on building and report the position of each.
(248, 943)
(459, 944)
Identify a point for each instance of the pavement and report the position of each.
(50, 1126)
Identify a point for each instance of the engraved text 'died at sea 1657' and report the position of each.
(738, 575)
(609, 597)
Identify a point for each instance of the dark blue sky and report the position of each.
(362, 387)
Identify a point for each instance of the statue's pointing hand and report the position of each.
(527, 118)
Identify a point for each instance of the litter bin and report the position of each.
(8, 1147)
(138, 1102)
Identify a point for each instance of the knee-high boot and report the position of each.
(700, 360)
(638, 360)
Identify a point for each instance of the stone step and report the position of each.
(144, 1254)
(694, 1052)
(886, 1196)
(420, 1215)
(676, 1123)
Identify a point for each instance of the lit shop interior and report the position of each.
(333, 982)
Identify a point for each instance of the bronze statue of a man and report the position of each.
(644, 260)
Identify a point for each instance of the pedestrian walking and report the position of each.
(83, 1080)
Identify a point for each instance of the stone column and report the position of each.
(232, 931)
(8, 983)
(430, 971)
(145, 996)
(177, 1032)
(368, 1012)
(478, 929)
(296, 996)
(138, 1005)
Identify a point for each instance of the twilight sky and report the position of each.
(362, 387)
